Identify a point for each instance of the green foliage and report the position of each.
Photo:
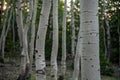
(108, 78)
(106, 68)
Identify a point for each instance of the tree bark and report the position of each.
(54, 52)
(3, 34)
(73, 29)
(22, 39)
(77, 60)
(63, 61)
(40, 41)
(89, 40)
(33, 33)
(107, 37)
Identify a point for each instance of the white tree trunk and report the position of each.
(18, 13)
(6, 32)
(73, 29)
(40, 41)
(3, 33)
(22, 38)
(27, 26)
(33, 33)
(13, 31)
(77, 60)
(89, 40)
(54, 68)
(107, 36)
(63, 62)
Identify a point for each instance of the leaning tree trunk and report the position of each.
(6, 32)
(73, 29)
(3, 34)
(40, 41)
(63, 61)
(54, 52)
(89, 40)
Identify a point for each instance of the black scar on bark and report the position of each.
(61, 77)
(40, 72)
(36, 51)
(92, 65)
(37, 37)
(91, 59)
(85, 59)
(39, 55)
(52, 76)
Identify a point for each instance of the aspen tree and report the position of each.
(63, 61)
(6, 32)
(107, 36)
(54, 52)
(40, 41)
(75, 75)
(73, 29)
(3, 33)
(89, 40)
(23, 35)
(23, 31)
(33, 32)
(26, 28)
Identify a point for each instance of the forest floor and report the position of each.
(10, 71)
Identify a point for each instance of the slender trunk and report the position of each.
(54, 52)
(73, 29)
(63, 61)
(77, 60)
(119, 50)
(119, 39)
(33, 34)
(40, 41)
(19, 23)
(22, 39)
(107, 42)
(3, 33)
(25, 37)
(106, 29)
(89, 40)
(13, 31)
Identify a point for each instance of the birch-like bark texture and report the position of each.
(89, 40)
(33, 33)
(54, 52)
(63, 61)
(75, 75)
(3, 33)
(18, 14)
(107, 36)
(23, 30)
(40, 41)
(73, 29)
(27, 26)
(23, 39)
(6, 32)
